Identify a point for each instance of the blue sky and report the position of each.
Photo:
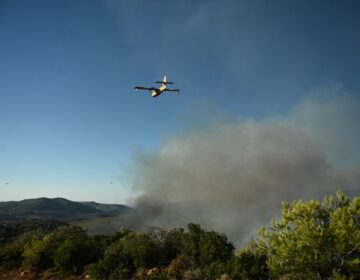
(70, 122)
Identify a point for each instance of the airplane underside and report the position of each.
(155, 93)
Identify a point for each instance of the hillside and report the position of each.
(57, 208)
(111, 209)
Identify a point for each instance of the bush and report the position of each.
(315, 240)
(115, 264)
(75, 251)
(39, 252)
(206, 247)
(248, 263)
(11, 255)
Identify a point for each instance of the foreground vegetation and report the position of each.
(312, 240)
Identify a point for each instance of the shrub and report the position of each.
(315, 240)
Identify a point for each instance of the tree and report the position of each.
(205, 247)
(315, 240)
(191, 247)
(214, 247)
(11, 252)
(168, 244)
(248, 263)
(124, 256)
(114, 265)
(75, 251)
(39, 252)
(142, 249)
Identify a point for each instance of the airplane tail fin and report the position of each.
(164, 82)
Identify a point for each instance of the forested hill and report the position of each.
(57, 208)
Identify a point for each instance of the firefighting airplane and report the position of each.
(157, 91)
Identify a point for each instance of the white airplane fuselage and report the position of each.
(158, 91)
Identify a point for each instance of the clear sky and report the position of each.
(70, 122)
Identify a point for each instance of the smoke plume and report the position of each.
(232, 176)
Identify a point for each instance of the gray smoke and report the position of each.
(232, 176)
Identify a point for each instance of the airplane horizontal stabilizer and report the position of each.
(167, 83)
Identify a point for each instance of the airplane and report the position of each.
(157, 91)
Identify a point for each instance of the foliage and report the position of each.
(15, 235)
(205, 247)
(214, 247)
(75, 251)
(11, 252)
(312, 240)
(248, 263)
(67, 249)
(177, 267)
(169, 243)
(141, 249)
(9, 231)
(315, 240)
(115, 264)
(39, 251)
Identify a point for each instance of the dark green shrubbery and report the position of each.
(67, 249)
(248, 263)
(11, 253)
(15, 235)
(312, 240)
(75, 251)
(172, 253)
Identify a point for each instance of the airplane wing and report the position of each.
(145, 88)
(172, 89)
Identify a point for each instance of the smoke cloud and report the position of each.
(231, 176)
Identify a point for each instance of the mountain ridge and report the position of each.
(58, 208)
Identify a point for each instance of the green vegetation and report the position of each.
(312, 240)
(315, 240)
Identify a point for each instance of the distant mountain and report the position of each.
(111, 209)
(58, 208)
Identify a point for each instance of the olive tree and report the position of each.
(315, 240)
